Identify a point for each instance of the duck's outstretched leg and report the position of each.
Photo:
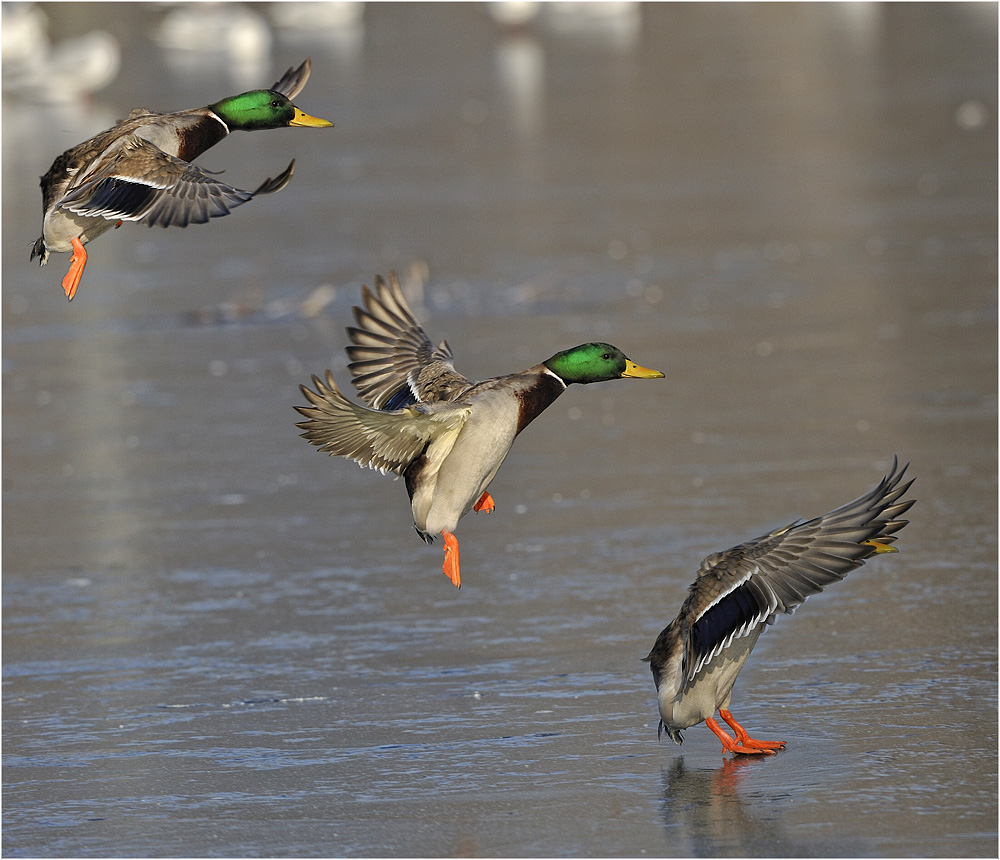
(746, 742)
(485, 503)
(450, 568)
(76, 264)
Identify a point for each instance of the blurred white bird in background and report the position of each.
(70, 71)
(219, 39)
(334, 29)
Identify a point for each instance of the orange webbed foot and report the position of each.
(731, 744)
(485, 503)
(746, 743)
(450, 568)
(76, 264)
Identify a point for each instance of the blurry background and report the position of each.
(219, 642)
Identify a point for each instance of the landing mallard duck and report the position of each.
(445, 435)
(139, 170)
(698, 656)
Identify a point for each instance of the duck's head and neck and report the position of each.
(589, 362)
(263, 109)
(596, 362)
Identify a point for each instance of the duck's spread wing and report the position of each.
(393, 362)
(744, 587)
(294, 80)
(143, 183)
(387, 441)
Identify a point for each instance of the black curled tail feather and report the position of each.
(39, 250)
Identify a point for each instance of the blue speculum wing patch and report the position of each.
(736, 609)
(120, 197)
(400, 400)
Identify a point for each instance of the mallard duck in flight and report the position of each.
(698, 656)
(445, 435)
(139, 170)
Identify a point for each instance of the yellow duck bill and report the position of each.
(634, 371)
(306, 121)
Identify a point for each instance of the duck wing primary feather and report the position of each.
(144, 183)
(294, 80)
(394, 364)
(387, 441)
(744, 587)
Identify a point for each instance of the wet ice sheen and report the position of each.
(218, 642)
